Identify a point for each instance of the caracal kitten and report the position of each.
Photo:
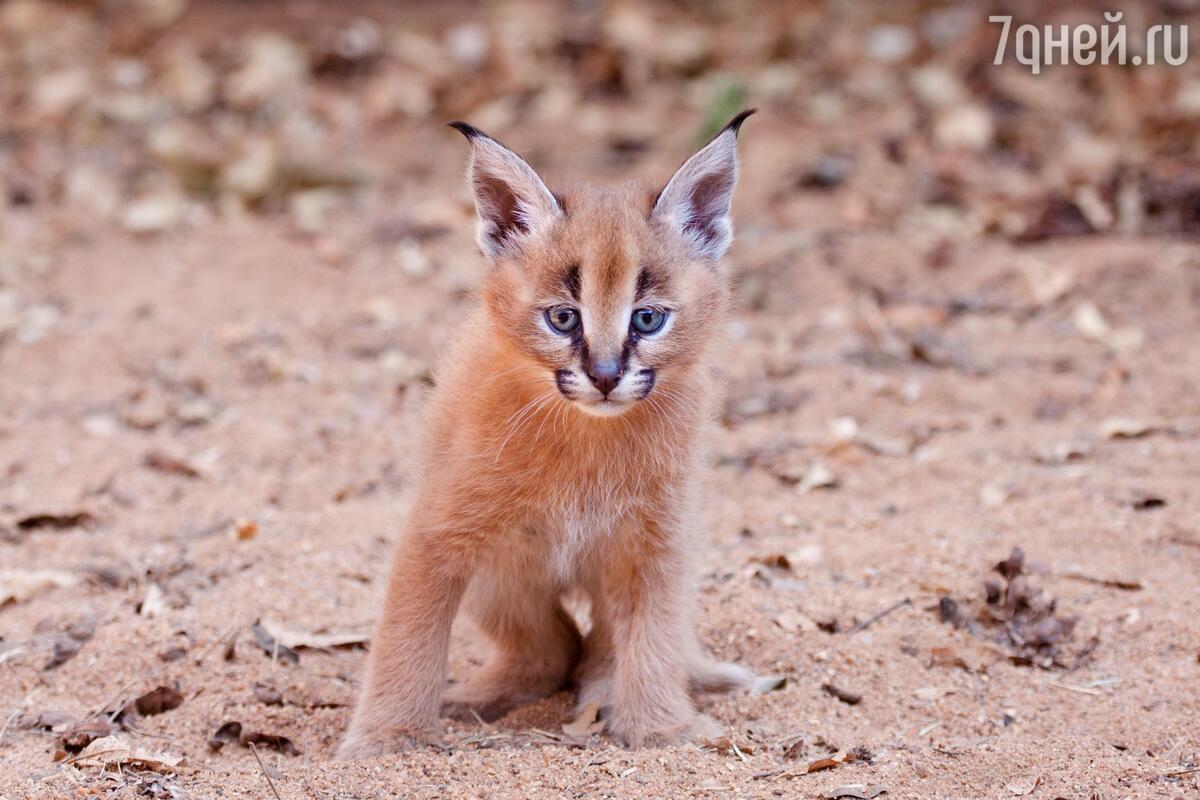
(563, 456)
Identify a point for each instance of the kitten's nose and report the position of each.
(605, 375)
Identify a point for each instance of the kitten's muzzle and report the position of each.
(604, 374)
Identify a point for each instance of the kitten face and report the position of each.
(606, 293)
(608, 304)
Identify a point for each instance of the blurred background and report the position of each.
(235, 235)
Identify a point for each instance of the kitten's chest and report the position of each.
(584, 521)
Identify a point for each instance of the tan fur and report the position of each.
(524, 497)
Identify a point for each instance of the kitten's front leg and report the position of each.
(646, 597)
(401, 696)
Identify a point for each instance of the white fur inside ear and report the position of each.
(698, 198)
(511, 201)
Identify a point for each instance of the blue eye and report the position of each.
(648, 320)
(563, 319)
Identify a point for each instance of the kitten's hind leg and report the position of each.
(536, 645)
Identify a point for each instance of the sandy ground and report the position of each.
(232, 403)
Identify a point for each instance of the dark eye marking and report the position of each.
(563, 379)
(647, 378)
(571, 282)
(649, 281)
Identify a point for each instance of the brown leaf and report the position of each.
(859, 791)
(724, 746)
(272, 740)
(846, 696)
(228, 732)
(272, 647)
(81, 734)
(170, 465)
(586, 723)
(156, 701)
(59, 522)
(829, 762)
(118, 753)
(948, 657)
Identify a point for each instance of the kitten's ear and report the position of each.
(696, 201)
(510, 199)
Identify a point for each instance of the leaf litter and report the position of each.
(1019, 617)
(234, 732)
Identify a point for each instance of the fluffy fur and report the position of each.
(565, 463)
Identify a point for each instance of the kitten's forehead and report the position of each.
(608, 237)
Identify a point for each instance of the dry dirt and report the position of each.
(941, 351)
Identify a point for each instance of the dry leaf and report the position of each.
(1091, 325)
(818, 476)
(294, 639)
(1130, 427)
(587, 723)
(272, 647)
(1047, 284)
(170, 465)
(860, 791)
(234, 731)
(154, 603)
(948, 657)
(830, 762)
(17, 586)
(792, 621)
(1022, 788)
(60, 522)
(156, 701)
(118, 753)
(81, 734)
(845, 695)
(44, 720)
(1059, 453)
(244, 530)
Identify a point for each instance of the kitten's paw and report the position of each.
(635, 733)
(358, 746)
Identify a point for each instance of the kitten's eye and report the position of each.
(648, 320)
(563, 319)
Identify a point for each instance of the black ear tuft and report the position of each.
(735, 124)
(470, 131)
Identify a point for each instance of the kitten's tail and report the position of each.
(706, 676)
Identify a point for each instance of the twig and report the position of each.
(266, 774)
(8, 722)
(1130, 585)
(873, 619)
(1080, 689)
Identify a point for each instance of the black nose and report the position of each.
(605, 375)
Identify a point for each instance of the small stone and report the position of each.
(965, 127)
(153, 213)
(890, 44)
